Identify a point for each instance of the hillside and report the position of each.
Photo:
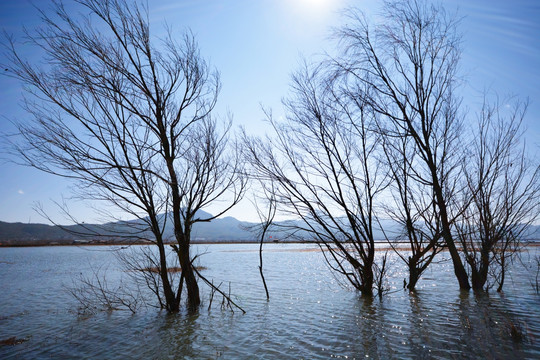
(228, 229)
(20, 234)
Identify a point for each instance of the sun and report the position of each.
(311, 7)
(318, 7)
(315, 3)
(308, 17)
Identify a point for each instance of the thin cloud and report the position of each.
(20, 192)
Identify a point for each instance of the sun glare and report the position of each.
(315, 3)
(314, 6)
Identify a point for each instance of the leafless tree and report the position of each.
(267, 213)
(503, 193)
(405, 70)
(130, 120)
(322, 164)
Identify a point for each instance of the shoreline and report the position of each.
(401, 245)
(196, 242)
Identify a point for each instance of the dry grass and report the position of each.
(315, 249)
(12, 341)
(172, 270)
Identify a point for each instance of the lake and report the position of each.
(310, 315)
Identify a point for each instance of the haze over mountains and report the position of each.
(227, 229)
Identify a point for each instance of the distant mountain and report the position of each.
(217, 230)
(31, 232)
(533, 233)
(222, 229)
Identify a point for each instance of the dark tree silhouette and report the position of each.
(405, 70)
(322, 164)
(131, 121)
(266, 217)
(502, 194)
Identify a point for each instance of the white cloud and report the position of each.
(20, 192)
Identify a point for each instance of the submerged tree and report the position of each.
(131, 121)
(266, 214)
(502, 195)
(323, 167)
(405, 70)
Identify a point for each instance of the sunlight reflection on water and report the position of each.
(309, 314)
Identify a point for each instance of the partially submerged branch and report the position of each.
(95, 294)
(226, 297)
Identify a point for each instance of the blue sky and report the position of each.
(257, 44)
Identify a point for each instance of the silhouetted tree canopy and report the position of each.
(130, 117)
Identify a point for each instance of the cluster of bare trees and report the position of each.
(378, 132)
(375, 132)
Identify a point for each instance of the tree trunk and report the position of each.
(366, 288)
(413, 275)
(478, 279)
(503, 272)
(192, 287)
(459, 269)
(182, 235)
(479, 275)
(170, 300)
(261, 267)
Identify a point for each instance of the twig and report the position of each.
(212, 286)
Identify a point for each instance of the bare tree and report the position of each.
(323, 166)
(131, 121)
(405, 70)
(266, 213)
(503, 193)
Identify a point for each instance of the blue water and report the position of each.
(310, 315)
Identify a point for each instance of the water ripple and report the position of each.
(309, 315)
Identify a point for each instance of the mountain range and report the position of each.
(13, 234)
(227, 229)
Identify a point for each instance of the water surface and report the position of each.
(310, 315)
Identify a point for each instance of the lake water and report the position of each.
(309, 315)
